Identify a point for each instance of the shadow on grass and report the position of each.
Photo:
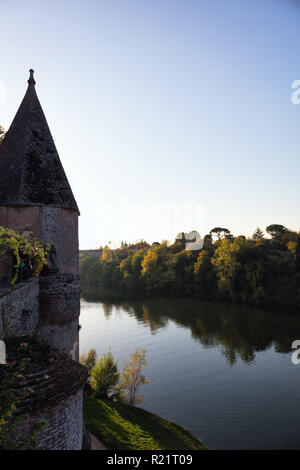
(123, 427)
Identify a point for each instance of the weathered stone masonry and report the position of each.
(56, 397)
(19, 309)
(59, 311)
(65, 427)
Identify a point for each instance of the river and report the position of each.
(224, 372)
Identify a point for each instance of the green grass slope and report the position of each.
(123, 427)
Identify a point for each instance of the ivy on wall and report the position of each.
(20, 245)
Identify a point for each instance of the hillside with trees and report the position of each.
(261, 270)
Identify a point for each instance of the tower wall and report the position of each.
(59, 227)
(21, 218)
(64, 337)
(59, 312)
(64, 428)
(59, 293)
(60, 289)
(19, 309)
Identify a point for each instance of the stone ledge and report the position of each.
(9, 290)
(51, 375)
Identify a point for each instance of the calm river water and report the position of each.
(223, 372)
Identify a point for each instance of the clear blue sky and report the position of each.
(163, 107)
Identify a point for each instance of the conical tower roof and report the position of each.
(31, 172)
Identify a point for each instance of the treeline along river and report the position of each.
(224, 372)
(254, 271)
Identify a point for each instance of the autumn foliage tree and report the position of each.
(89, 359)
(133, 377)
(256, 270)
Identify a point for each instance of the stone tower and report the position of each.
(35, 197)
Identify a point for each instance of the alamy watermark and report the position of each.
(295, 97)
(132, 216)
(193, 240)
(295, 356)
(2, 352)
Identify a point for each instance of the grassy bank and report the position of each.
(123, 427)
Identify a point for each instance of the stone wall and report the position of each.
(52, 225)
(65, 337)
(59, 292)
(19, 309)
(6, 267)
(21, 218)
(59, 227)
(65, 425)
(49, 306)
(59, 312)
(59, 298)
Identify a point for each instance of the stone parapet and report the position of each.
(19, 308)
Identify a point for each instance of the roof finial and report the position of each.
(31, 80)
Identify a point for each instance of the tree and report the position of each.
(276, 231)
(297, 253)
(204, 275)
(288, 236)
(241, 269)
(208, 243)
(151, 271)
(107, 253)
(258, 234)
(89, 360)
(149, 262)
(219, 232)
(104, 376)
(133, 378)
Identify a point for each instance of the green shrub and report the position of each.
(104, 376)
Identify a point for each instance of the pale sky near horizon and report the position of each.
(168, 115)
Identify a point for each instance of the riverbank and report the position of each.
(124, 427)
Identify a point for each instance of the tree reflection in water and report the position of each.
(240, 331)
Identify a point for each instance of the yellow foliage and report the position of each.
(292, 247)
(19, 244)
(149, 261)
